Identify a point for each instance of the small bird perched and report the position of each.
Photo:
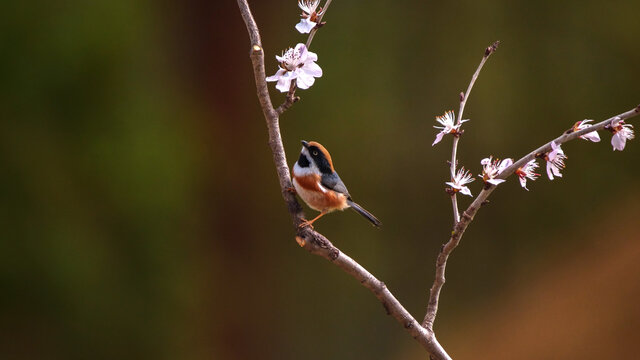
(319, 185)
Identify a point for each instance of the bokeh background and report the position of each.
(141, 216)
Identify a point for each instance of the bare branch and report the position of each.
(481, 199)
(463, 101)
(317, 244)
(311, 240)
(464, 97)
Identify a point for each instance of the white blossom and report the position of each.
(448, 125)
(296, 64)
(592, 136)
(527, 171)
(621, 133)
(492, 168)
(462, 178)
(555, 161)
(309, 16)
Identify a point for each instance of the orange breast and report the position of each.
(316, 196)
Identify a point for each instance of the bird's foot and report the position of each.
(306, 223)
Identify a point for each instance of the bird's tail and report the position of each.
(360, 210)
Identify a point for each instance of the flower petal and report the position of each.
(465, 190)
(305, 80)
(302, 50)
(311, 56)
(592, 136)
(618, 141)
(505, 164)
(496, 181)
(305, 26)
(312, 69)
(556, 149)
(438, 138)
(276, 76)
(549, 172)
(523, 182)
(284, 83)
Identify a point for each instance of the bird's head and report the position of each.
(315, 158)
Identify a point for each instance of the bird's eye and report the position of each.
(315, 153)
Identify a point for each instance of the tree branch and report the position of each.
(317, 244)
(311, 240)
(468, 215)
(463, 101)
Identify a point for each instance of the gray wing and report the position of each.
(333, 182)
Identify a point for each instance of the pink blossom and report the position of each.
(527, 171)
(309, 16)
(555, 161)
(449, 126)
(462, 178)
(492, 168)
(592, 136)
(296, 64)
(621, 133)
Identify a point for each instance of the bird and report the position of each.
(318, 184)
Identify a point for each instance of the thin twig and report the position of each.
(315, 29)
(454, 205)
(463, 101)
(291, 97)
(468, 215)
(311, 240)
(454, 198)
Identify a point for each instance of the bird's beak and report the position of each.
(305, 144)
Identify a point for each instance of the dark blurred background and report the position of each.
(141, 215)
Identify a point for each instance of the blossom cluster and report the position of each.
(298, 63)
(492, 169)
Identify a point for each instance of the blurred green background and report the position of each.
(142, 219)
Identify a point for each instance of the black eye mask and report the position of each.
(323, 165)
(303, 161)
(321, 160)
